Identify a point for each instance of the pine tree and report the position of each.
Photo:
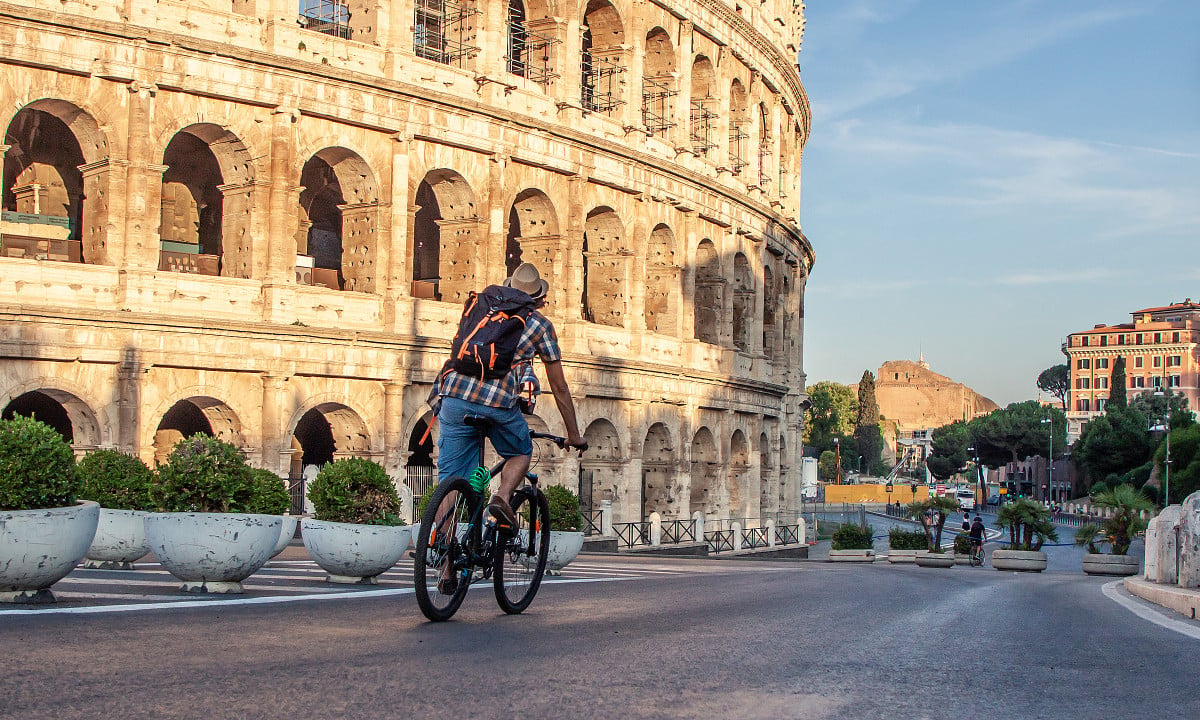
(866, 428)
(1116, 386)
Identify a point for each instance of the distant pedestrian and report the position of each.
(966, 523)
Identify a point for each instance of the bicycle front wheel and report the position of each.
(442, 543)
(521, 558)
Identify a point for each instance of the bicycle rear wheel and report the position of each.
(521, 558)
(441, 544)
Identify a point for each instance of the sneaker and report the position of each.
(448, 585)
(503, 513)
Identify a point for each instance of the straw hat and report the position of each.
(527, 279)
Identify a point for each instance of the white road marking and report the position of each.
(1112, 592)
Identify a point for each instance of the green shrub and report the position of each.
(355, 490)
(204, 474)
(852, 536)
(423, 501)
(116, 480)
(962, 544)
(271, 496)
(901, 539)
(564, 509)
(37, 467)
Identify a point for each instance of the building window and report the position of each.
(1102, 363)
(1175, 361)
(1156, 381)
(330, 17)
(1102, 383)
(1083, 364)
(1139, 362)
(1137, 382)
(1083, 383)
(1174, 337)
(1157, 361)
(1120, 339)
(1100, 403)
(442, 29)
(1157, 337)
(1083, 405)
(1103, 341)
(1173, 381)
(1138, 338)
(1085, 340)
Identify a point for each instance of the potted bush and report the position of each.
(566, 536)
(206, 533)
(852, 543)
(271, 497)
(357, 533)
(120, 483)
(905, 545)
(962, 549)
(932, 513)
(1117, 531)
(1029, 525)
(44, 531)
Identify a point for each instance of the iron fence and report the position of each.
(632, 534)
(754, 538)
(678, 531)
(296, 488)
(719, 540)
(787, 534)
(592, 522)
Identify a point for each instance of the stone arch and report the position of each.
(743, 302)
(769, 318)
(739, 121)
(662, 282)
(207, 191)
(605, 261)
(706, 463)
(708, 299)
(339, 219)
(66, 412)
(739, 465)
(447, 232)
(600, 469)
(704, 106)
(198, 414)
(329, 431)
(531, 37)
(56, 176)
(603, 57)
(532, 233)
(658, 81)
(659, 494)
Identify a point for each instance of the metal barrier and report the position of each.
(678, 531)
(296, 486)
(632, 534)
(787, 534)
(719, 540)
(591, 522)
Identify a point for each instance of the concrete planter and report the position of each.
(904, 556)
(39, 547)
(859, 556)
(564, 547)
(287, 531)
(1118, 565)
(352, 553)
(961, 559)
(212, 552)
(935, 560)
(1019, 560)
(120, 539)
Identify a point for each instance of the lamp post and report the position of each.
(837, 454)
(1167, 456)
(979, 475)
(1050, 460)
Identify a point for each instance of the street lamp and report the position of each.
(1050, 460)
(979, 474)
(837, 453)
(1167, 458)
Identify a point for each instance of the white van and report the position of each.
(966, 498)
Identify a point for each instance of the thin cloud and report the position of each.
(1056, 278)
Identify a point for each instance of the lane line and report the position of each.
(183, 604)
(1112, 592)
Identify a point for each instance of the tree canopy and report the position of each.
(948, 449)
(866, 427)
(1114, 442)
(833, 413)
(1116, 386)
(1056, 380)
(1016, 432)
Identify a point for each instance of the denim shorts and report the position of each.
(458, 444)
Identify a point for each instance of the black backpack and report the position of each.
(485, 345)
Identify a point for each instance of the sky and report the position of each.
(983, 178)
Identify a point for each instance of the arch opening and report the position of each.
(708, 298)
(659, 494)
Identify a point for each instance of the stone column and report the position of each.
(395, 449)
(359, 246)
(459, 257)
(129, 375)
(635, 275)
(139, 204)
(282, 210)
(494, 270)
(237, 226)
(272, 431)
(94, 231)
(571, 253)
(398, 273)
(682, 109)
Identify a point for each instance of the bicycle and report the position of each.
(976, 555)
(465, 541)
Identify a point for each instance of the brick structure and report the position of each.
(230, 217)
(1160, 351)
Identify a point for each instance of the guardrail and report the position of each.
(719, 535)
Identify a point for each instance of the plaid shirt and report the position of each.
(537, 339)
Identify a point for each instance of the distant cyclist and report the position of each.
(977, 534)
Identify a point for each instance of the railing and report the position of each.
(592, 522)
(787, 534)
(678, 531)
(754, 538)
(632, 534)
(719, 541)
(296, 486)
(720, 535)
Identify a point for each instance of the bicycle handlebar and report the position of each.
(561, 442)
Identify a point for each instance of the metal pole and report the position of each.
(1167, 465)
(1050, 464)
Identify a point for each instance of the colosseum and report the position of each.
(258, 219)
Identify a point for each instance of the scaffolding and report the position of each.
(656, 106)
(328, 17)
(737, 136)
(702, 127)
(529, 53)
(442, 31)
(599, 89)
(764, 157)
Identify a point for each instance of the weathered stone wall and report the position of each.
(256, 146)
(914, 396)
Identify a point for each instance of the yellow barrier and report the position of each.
(901, 493)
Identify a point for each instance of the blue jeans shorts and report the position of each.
(458, 444)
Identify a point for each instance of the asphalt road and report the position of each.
(653, 638)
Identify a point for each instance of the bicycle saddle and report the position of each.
(478, 421)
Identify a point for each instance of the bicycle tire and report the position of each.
(449, 539)
(520, 559)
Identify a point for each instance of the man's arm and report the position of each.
(562, 398)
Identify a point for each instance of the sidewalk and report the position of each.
(1185, 601)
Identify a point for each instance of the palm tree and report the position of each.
(943, 507)
(1127, 504)
(1028, 524)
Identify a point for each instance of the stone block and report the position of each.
(1189, 542)
(1165, 547)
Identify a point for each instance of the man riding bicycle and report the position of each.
(497, 399)
(977, 535)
